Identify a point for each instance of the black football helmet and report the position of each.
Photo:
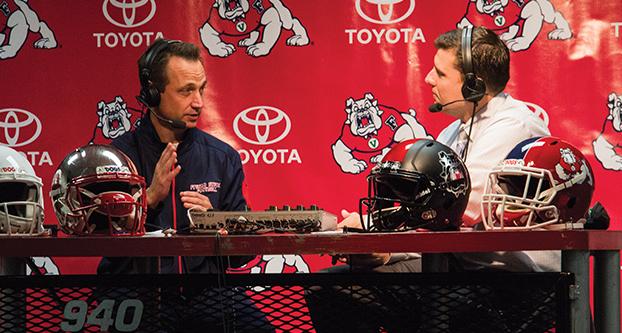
(419, 183)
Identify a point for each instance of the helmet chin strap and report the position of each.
(388, 218)
(394, 218)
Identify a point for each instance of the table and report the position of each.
(576, 247)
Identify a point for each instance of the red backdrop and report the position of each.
(68, 72)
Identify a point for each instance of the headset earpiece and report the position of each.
(149, 94)
(473, 87)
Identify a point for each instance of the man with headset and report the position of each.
(172, 153)
(183, 166)
(471, 70)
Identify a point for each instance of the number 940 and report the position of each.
(76, 315)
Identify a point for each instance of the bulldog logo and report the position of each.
(518, 22)
(451, 172)
(568, 167)
(608, 144)
(45, 266)
(248, 19)
(114, 119)
(273, 264)
(369, 132)
(17, 19)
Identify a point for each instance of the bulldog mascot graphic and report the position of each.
(17, 19)
(570, 166)
(44, 265)
(256, 23)
(114, 118)
(369, 132)
(273, 264)
(608, 145)
(518, 22)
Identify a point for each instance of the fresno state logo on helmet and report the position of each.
(451, 172)
(569, 167)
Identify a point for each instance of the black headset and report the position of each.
(473, 88)
(149, 94)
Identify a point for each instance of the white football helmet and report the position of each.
(21, 199)
(544, 183)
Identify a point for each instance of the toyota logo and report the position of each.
(128, 16)
(384, 11)
(19, 127)
(262, 125)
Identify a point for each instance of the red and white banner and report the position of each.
(284, 82)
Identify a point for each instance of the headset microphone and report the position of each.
(178, 124)
(437, 107)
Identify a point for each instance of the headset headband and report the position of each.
(467, 60)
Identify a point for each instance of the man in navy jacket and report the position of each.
(184, 168)
(169, 151)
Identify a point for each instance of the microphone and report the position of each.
(437, 107)
(178, 124)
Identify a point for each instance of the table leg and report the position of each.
(434, 262)
(12, 266)
(607, 291)
(578, 263)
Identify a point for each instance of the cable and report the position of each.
(221, 282)
(466, 146)
(174, 201)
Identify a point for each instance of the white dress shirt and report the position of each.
(497, 128)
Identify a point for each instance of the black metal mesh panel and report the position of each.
(471, 302)
(287, 303)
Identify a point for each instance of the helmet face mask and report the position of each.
(543, 183)
(419, 183)
(518, 196)
(99, 192)
(21, 200)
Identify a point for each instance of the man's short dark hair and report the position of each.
(491, 57)
(158, 76)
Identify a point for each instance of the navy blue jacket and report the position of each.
(208, 165)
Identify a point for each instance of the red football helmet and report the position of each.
(419, 183)
(544, 182)
(97, 190)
